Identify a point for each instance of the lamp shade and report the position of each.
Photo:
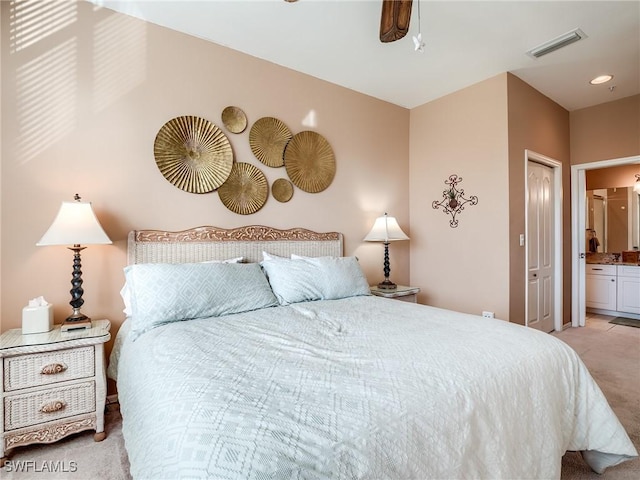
(385, 229)
(75, 224)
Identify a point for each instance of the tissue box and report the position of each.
(37, 319)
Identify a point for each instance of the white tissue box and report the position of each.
(37, 319)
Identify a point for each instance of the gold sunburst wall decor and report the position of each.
(282, 190)
(268, 138)
(246, 190)
(234, 119)
(193, 154)
(310, 162)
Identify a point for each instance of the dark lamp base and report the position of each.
(387, 285)
(76, 321)
(75, 325)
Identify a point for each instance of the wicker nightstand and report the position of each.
(401, 292)
(54, 384)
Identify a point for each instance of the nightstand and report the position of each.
(54, 384)
(401, 292)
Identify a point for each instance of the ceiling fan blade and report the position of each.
(394, 20)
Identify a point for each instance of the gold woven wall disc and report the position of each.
(234, 119)
(268, 138)
(282, 190)
(193, 154)
(310, 162)
(246, 190)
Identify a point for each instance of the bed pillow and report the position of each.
(162, 293)
(126, 296)
(321, 278)
(342, 277)
(266, 256)
(292, 281)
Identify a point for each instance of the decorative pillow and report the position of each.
(342, 277)
(163, 293)
(321, 278)
(292, 281)
(126, 296)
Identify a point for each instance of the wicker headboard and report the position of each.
(213, 243)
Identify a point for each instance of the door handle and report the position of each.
(582, 255)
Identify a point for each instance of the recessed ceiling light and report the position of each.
(601, 79)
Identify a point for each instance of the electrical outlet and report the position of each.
(488, 315)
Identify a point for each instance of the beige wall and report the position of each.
(481, 133)
(535, 123)
(464, 268)
(612, 177)
(606, 131)
(2, 44)
(81, 108)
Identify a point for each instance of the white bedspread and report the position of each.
(362, 388)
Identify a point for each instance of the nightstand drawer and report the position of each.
(23, 410)
(37, 369)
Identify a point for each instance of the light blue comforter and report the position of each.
(362, 387)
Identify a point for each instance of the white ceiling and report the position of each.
(466, 42)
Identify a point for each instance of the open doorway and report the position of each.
(578, 229)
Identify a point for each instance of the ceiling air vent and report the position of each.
(557, 43)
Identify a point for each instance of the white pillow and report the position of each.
(126, 296)
(162, 293)
(321, 278)
(228, 260)
(266, 256)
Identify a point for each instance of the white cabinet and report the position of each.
(628, 299)
(601, 291)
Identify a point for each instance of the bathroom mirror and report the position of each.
(613, 220)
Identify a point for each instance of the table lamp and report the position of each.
(386, 229)
(75, 225)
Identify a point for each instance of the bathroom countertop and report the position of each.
(599, 258)
(604, 262)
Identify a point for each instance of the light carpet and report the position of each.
(611, 352)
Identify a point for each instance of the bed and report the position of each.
(259, 353)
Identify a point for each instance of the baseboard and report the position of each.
(613, 313)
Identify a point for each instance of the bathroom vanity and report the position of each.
(613, 289)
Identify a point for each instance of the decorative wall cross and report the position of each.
(453, 200)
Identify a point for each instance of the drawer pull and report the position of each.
(53, 368)
(53, 406)
(599, 269)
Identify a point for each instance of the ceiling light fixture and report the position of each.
(417, 39)
(557, 43)
(601, 79)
